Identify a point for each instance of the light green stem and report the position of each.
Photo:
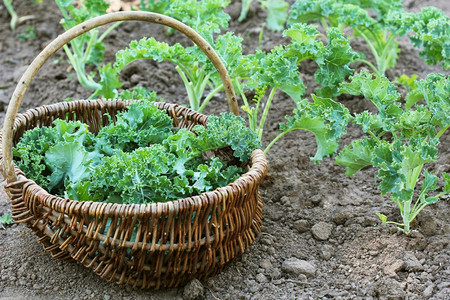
(82, 78)
(372, 49)
(276, 139)
(12, 13)
(209, 97)
(266, 112)
(108, 31)
(371, 65)
(441, 132)
(194, 103)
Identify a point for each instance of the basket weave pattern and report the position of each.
(148, 246)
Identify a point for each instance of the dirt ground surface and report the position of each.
(314, 216)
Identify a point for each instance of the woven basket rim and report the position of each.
(257, 163)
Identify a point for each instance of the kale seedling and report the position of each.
(400, 140)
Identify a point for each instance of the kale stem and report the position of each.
(12, 13)
(372, 66)
(372, 48)
(441, 132)
(108, 31)
(193, 102)
(275, 140)
(265, 112)
(82, 78)
(209, 97)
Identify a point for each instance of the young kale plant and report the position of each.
(380, 33)
(87, 49)
(278, 70)
(14, 18)
(276, 12)
(400, 140)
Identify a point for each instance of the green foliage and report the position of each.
(400, 140)
(87, 49)
(138, 158)
(431, 27)
(28, 34)
(276, 12)
(325, 118)
(6, 219)
(204, 16)
(431, 32)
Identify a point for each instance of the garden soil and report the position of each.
(321, 237)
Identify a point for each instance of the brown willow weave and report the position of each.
(174, 241)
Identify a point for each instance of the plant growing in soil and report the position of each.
(430, 26)
(14, 18)
(138, 158)
(276, 12)
(87, 49)
(400, 140)
(278, 70)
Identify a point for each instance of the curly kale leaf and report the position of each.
(49, 155)
(227, 130)
(333, 58)
(139, 126)
(325, 118)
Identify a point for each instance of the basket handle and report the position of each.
(81, 28)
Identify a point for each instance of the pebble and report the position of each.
(275, 273)
(297, 266)
(341, 216)
(428, 292)
(394, 267)
(321, 231)
(301, 226)
(443, 285)
(412, 264)
(326, 252)
(265, 263)
(135, 78)
(261, 278)
(193, 290)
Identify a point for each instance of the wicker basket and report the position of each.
(148, 246)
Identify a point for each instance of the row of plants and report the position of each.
(399, 138)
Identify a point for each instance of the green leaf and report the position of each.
(109, 81)
(379, 90)
(436, 91)
(6, 219)
(323, 117)
(67, 160)
(227, 130)
(333, 61)
(276, 13)
(382, 217)
(446, 188)
(356, 156)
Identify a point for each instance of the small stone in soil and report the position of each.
(297, 266)
(261, 278)
(193, 290)
(265, 263)
(326, 252)
(394, 267)
(321, 231)
(412, 264)
(301, 226)
(428, 292)
(341, 216)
